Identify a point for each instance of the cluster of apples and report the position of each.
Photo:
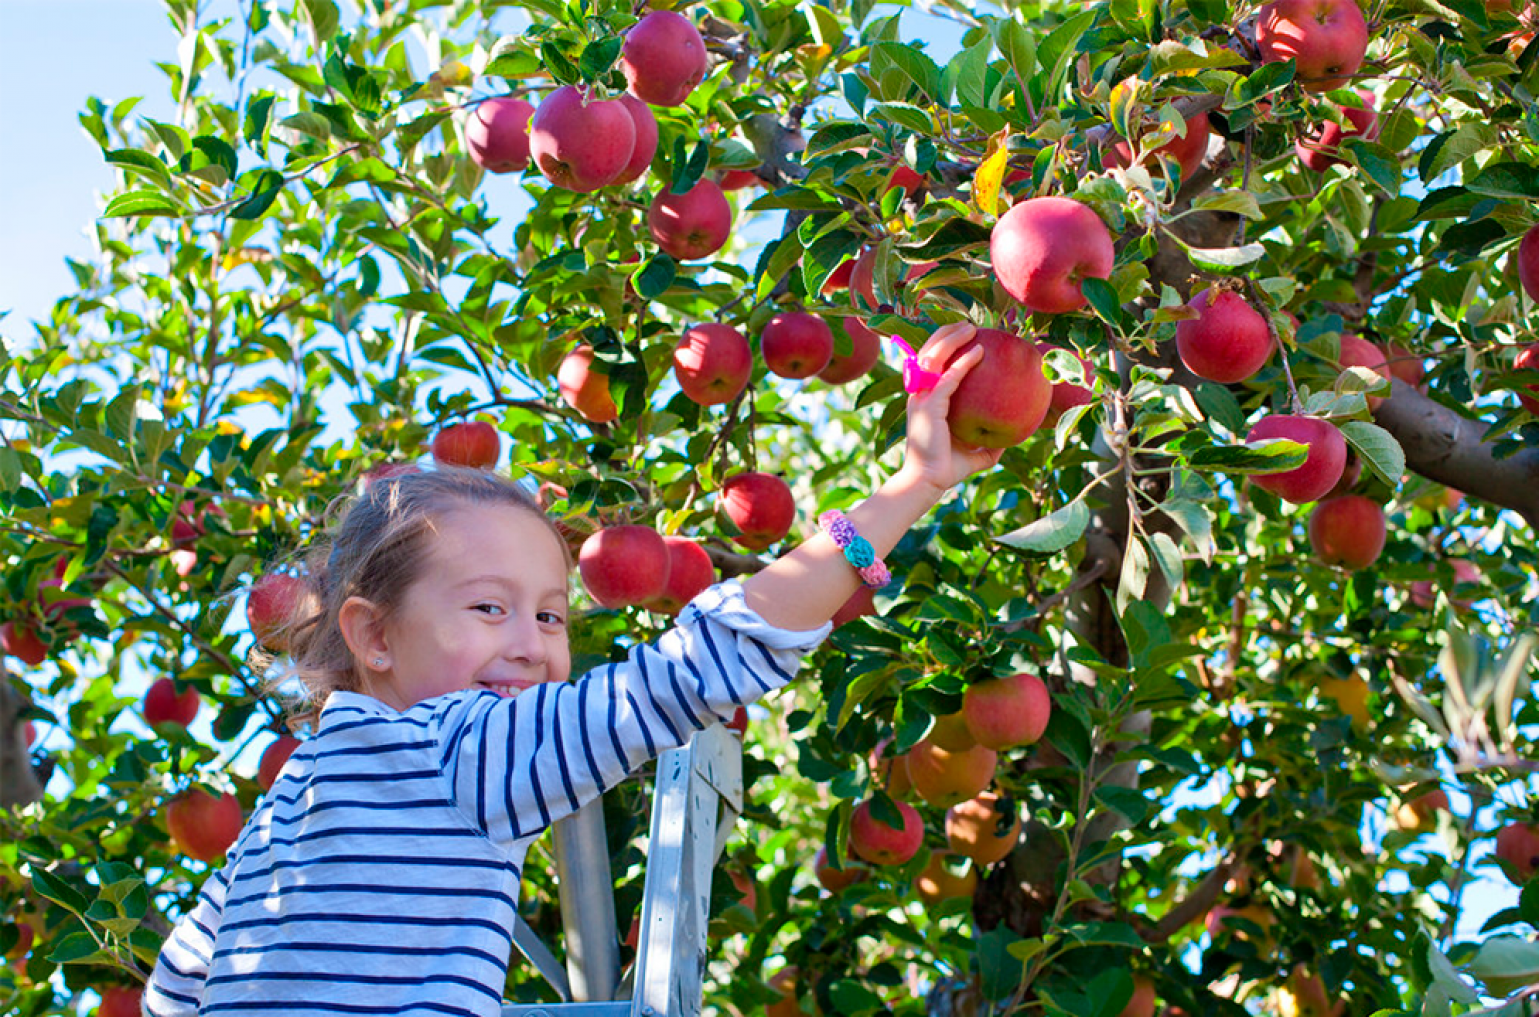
(951, 768)
(24, 637)
(582, 143)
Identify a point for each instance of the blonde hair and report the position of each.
(376, 551)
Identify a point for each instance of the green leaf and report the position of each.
(265, 191)
(1058, 50)
(1381, 165)
(1378, 448)
(851, 997)
(514, 63)
(1507, 180)
(598, 57)
(77, 948)
(141, 203)
(1451, 148)
(1221, 406)
(323, 18)
(1103, 299)
(1168, 557)
(914, 65)
(56, 889)
(142, 163)
(1239, 202)
(558, 64)
(1135, 572)
(1223, 259)
(1018, 47)
(904, 115)
(969, 72)
(999, 966)
(10, 469)
(1193, 518)
(1052, 533)
(258, 113)
(1268, 78)
(653, 278)
(1271, 455)
(1506, 964)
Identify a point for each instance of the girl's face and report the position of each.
(489, 610)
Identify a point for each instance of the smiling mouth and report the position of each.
(505, 689)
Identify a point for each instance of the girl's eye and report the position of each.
(489, 608)
(551, 618)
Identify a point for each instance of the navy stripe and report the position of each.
(453, 863)
(678, 690)
(285, 1006)
(594, 774)
(333, 976)
(415, 803)
(536, 785)
(191, 1001)
(394, 951)
(375, 750)
(367, 831)
(178, 972)
(641, 722)
(559, 745)
(614, 721)
(769, 659)
(376, 890)
(656, 687)
(392, 920)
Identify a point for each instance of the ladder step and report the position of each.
(617, 1009)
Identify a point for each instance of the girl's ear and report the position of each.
(362, 624)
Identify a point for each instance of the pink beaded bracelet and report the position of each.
(857, 549)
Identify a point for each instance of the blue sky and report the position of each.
(54, 54)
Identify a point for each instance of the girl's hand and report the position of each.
(933, 457)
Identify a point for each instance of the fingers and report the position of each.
(946, 341)
(957, 371)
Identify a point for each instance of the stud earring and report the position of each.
(379, 661)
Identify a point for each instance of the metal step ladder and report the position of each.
(698, 798)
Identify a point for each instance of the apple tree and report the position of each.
(1212, 697)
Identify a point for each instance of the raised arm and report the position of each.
(803, 589)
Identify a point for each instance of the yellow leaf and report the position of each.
(990, 176)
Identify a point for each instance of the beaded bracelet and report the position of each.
(857, 549)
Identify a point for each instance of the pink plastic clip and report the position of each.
(915, 378)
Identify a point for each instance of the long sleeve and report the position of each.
(176, 985)
(517, 765)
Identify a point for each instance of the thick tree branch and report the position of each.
(18, 783)
(1444, 446)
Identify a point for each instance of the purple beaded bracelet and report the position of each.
(857, 549)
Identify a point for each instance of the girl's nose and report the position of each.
(527, 642)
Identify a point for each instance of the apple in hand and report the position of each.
(497, 134)
(689, 573)
(1188, 151)
(474, 444)
(273, 758)
(1347, 530)
(1528, 360)
(163, 705)
(796, 344)
(760, 506)
(1227, 342)
(880, 844)
(1323, 465)
(203, 826)
(1007, 713)
(646, 139)
(1326, 39)
(585, 389)
(713, 363)
(581, 144)
(1004, 398)
(1319, 152)
(624, 566)
(691, 225)
(865, 351)
(276, 604)
(20, 640)
(1044, 248)
(663, 58)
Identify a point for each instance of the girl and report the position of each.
(380, 874)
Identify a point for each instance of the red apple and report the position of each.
(736, 180)
(888, 772)
(273, 758)
(1188, 151)
(1227, 342)
(1348, 531)
(163, 705)
(832, 879)
(497, 134)
(861, 603)
(905, 177)
(713, 363)
(1144, 1001)
(1043, 248)
(1318, 152)
(1528, 262)
(691, 225)
(1517, 845)
(839, 278)
(624, 566)
(646, 139)
(1006, 713)
(581, 145)
(121, 1001)
(1005, 397)
(55, 599)
(1403, 364)
(1528, 360)
(384, 471)
(277, 602)
(1322, 468)
(474, 443)
(21, 641)
(191, 522)
(689, 572)
(880, 844)
(1357, 352)
(796, 344)
(1424, 591)
(944, 778)
(938, 881)
(865, 351)
(760, 506)
(664, 58)
(976, 828)
(585, 389)
(748, 894)
(203, 826)
(1325, 38)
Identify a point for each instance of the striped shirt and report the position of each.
(380, 874)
